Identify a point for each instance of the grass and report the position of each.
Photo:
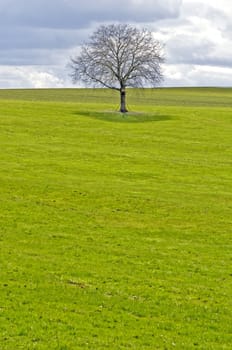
(115, 232)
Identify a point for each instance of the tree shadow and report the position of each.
(129, 117)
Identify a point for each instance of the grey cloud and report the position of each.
(44, 33)
(201, 10)
(195, 50)
(39, 38)
(29, 57)
(37, 57)
(186, 50)
(79, 13)
(33, 30)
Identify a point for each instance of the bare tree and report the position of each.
(119, 56)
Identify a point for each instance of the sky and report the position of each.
(38, 37)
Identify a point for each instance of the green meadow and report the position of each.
(116, 230)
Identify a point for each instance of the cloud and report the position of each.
(23, 38)
(79, 14)
(200, 41)
(39, 36)
(42, 32)
(198, 45)
(196, 75)
(31, 77)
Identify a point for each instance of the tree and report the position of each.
(118, 56)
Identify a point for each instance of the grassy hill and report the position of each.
(115, 231)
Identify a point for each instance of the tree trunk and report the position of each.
(123, 108)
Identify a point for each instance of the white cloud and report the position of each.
(196, 75)
(30, 77)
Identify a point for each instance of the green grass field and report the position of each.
(115, 231)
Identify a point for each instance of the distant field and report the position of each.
(209, 97)
(116, 231)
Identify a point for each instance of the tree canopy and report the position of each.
(118, 56)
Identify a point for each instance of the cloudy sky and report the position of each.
(37, 37)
